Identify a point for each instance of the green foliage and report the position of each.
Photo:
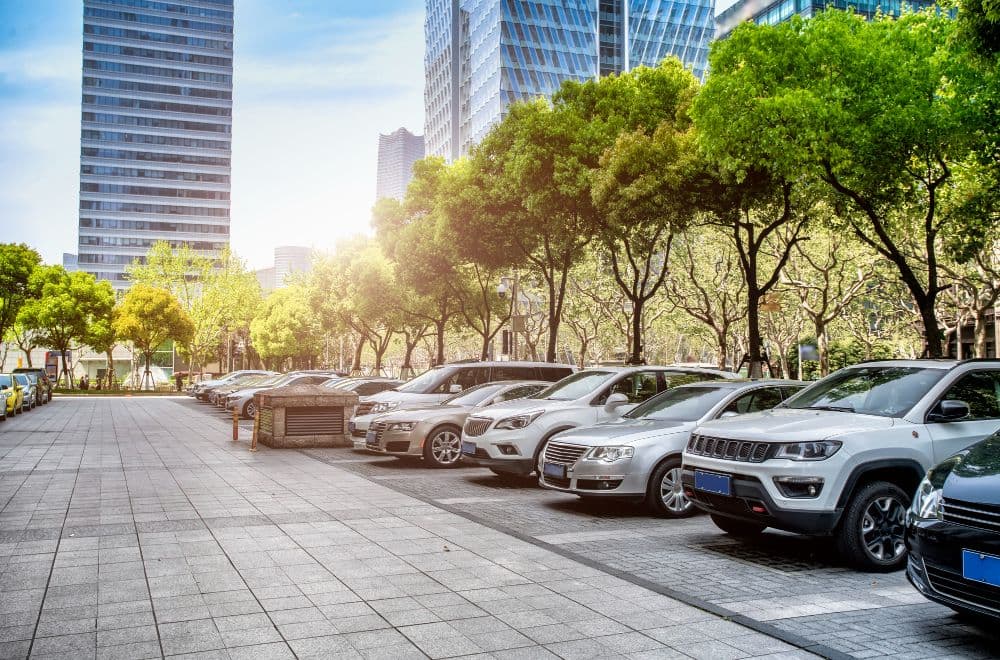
(17, 263)
(286, 327)
(148, 317)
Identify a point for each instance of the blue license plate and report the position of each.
(554, 470)
(720, 484)
(981, 568)
(371, 438)
(469, 448)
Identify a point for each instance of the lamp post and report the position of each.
(513, 284)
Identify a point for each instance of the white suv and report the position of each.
(508, 437)
(844, 456)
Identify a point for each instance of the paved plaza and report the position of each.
(133, 528)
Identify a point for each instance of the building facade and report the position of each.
(483, 55)
(729, 14)
(397, 152)
(156, 129)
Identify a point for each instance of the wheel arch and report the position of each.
(905, 473)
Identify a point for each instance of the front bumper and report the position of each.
(597, 478)
(934, 565)
(502, 451)
(750, 501)
(395, 443)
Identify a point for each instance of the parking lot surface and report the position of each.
(134, 528)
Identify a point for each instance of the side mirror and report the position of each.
(949, 410)
(454, 388)
(615, 401)
(728, 413)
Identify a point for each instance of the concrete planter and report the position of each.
(304, 416)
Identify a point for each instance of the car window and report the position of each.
(755, 401)
(575, 386)
(473, 396)
(637, 387)
(466, 377)
(685, 404)
(553, 373)
(675, 378)
(5, 380)
(981, 390)
(513, 373)
(518, 393)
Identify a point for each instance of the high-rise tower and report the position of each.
(483, 55)
(156, 129)
(397, 152)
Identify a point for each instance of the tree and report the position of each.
(102, 337)
(26, 337)
(868, 108)
(287, 328)
(148, 317)
(17, 263)
(66, 305)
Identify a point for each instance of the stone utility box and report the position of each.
(304, 416)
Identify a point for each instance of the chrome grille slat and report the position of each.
(982, 516)
(742, 451)
(364, 408)
(950, 583)
(475, 426)
(558, 452)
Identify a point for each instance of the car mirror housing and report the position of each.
(949, 410)
(728, 413)
(615, 401)
(455, 388)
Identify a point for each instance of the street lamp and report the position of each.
(512, 285)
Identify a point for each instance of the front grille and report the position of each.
(476, 426)
(950, 583)
(971, 514)
(363, 408)
(729, 450)
(558, 452)
(379, 428)
(556, 481)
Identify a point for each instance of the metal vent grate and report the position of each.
(314, 420)
(266, 423)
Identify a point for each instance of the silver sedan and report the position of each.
(638, 456)
(435, 431)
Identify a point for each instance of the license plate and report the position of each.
(469, 448)
(981, 568)
(720, 484)
(554, 470)
(370, 438)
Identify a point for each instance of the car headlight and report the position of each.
(518, 421)
(927, 502)
(383, 406)
(808, 451)
(400, 426)
(610, 454)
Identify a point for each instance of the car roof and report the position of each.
(744, 383)
(932, 363)
(656, 367)
(501, 363)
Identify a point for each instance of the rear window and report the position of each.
(5, 380)
(554, 373)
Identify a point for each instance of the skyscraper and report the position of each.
(730, 13)
(156, 129)
(483, 55)
(397, 152)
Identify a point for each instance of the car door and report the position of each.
(979, 389)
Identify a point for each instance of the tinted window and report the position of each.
(553, 373)
(762, 399)
(465, 377)
(637, 387)
(675, 378)
(5, 380)
(519, 392)
(424, 382)
(514, 373)
(981, 390)
(883, 391)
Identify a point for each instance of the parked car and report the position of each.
(28, 396)
(243, 399)
(363, 386)
(43, 382)
(211, 394)
(198, 389)
(638, 456)
(218, 395)
(438, 383)
(843, 456)
(14, 393)
(38, 396)
(434, 432)
(953, 531)
(508, 437)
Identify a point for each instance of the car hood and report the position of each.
(505, 409)
(794, 425)
(624, 432)
(974, 474)
(422, 413)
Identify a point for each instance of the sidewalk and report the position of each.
(132, 528)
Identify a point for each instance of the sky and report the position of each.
(316, 81)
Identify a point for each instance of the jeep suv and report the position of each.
(844, 456)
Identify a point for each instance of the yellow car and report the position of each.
(14, 393)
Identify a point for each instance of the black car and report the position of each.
(953, 531)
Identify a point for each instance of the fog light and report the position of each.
(799, 487)
(508, 450)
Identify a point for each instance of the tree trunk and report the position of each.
(111, 368)
(823, 348)
(439, 325)
(584, 347)
(980, 332)
(721, 350)
(148, 373)
(636, 357)
(755, 368)
(356, 364)
(933, 346)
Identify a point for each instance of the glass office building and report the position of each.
(397, 152)
(156, 129)
(730, 13)
(483, 55)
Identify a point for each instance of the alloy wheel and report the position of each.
(446, 447)
(672, 492)
(251, 409)
(882, 528)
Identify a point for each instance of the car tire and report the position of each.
(250, 409)
(741, 528)
(665, 496)
(443, 447)
(871, 530)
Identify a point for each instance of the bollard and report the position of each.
(236, 423)
(256, 425)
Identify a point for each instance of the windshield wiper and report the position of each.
(849, 409)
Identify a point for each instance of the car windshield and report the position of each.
(883, 391)
(336, 382)
(5, 380)
(270, 380)
(423, 382)
(573, 387)
(683, 404)
(473, 396)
